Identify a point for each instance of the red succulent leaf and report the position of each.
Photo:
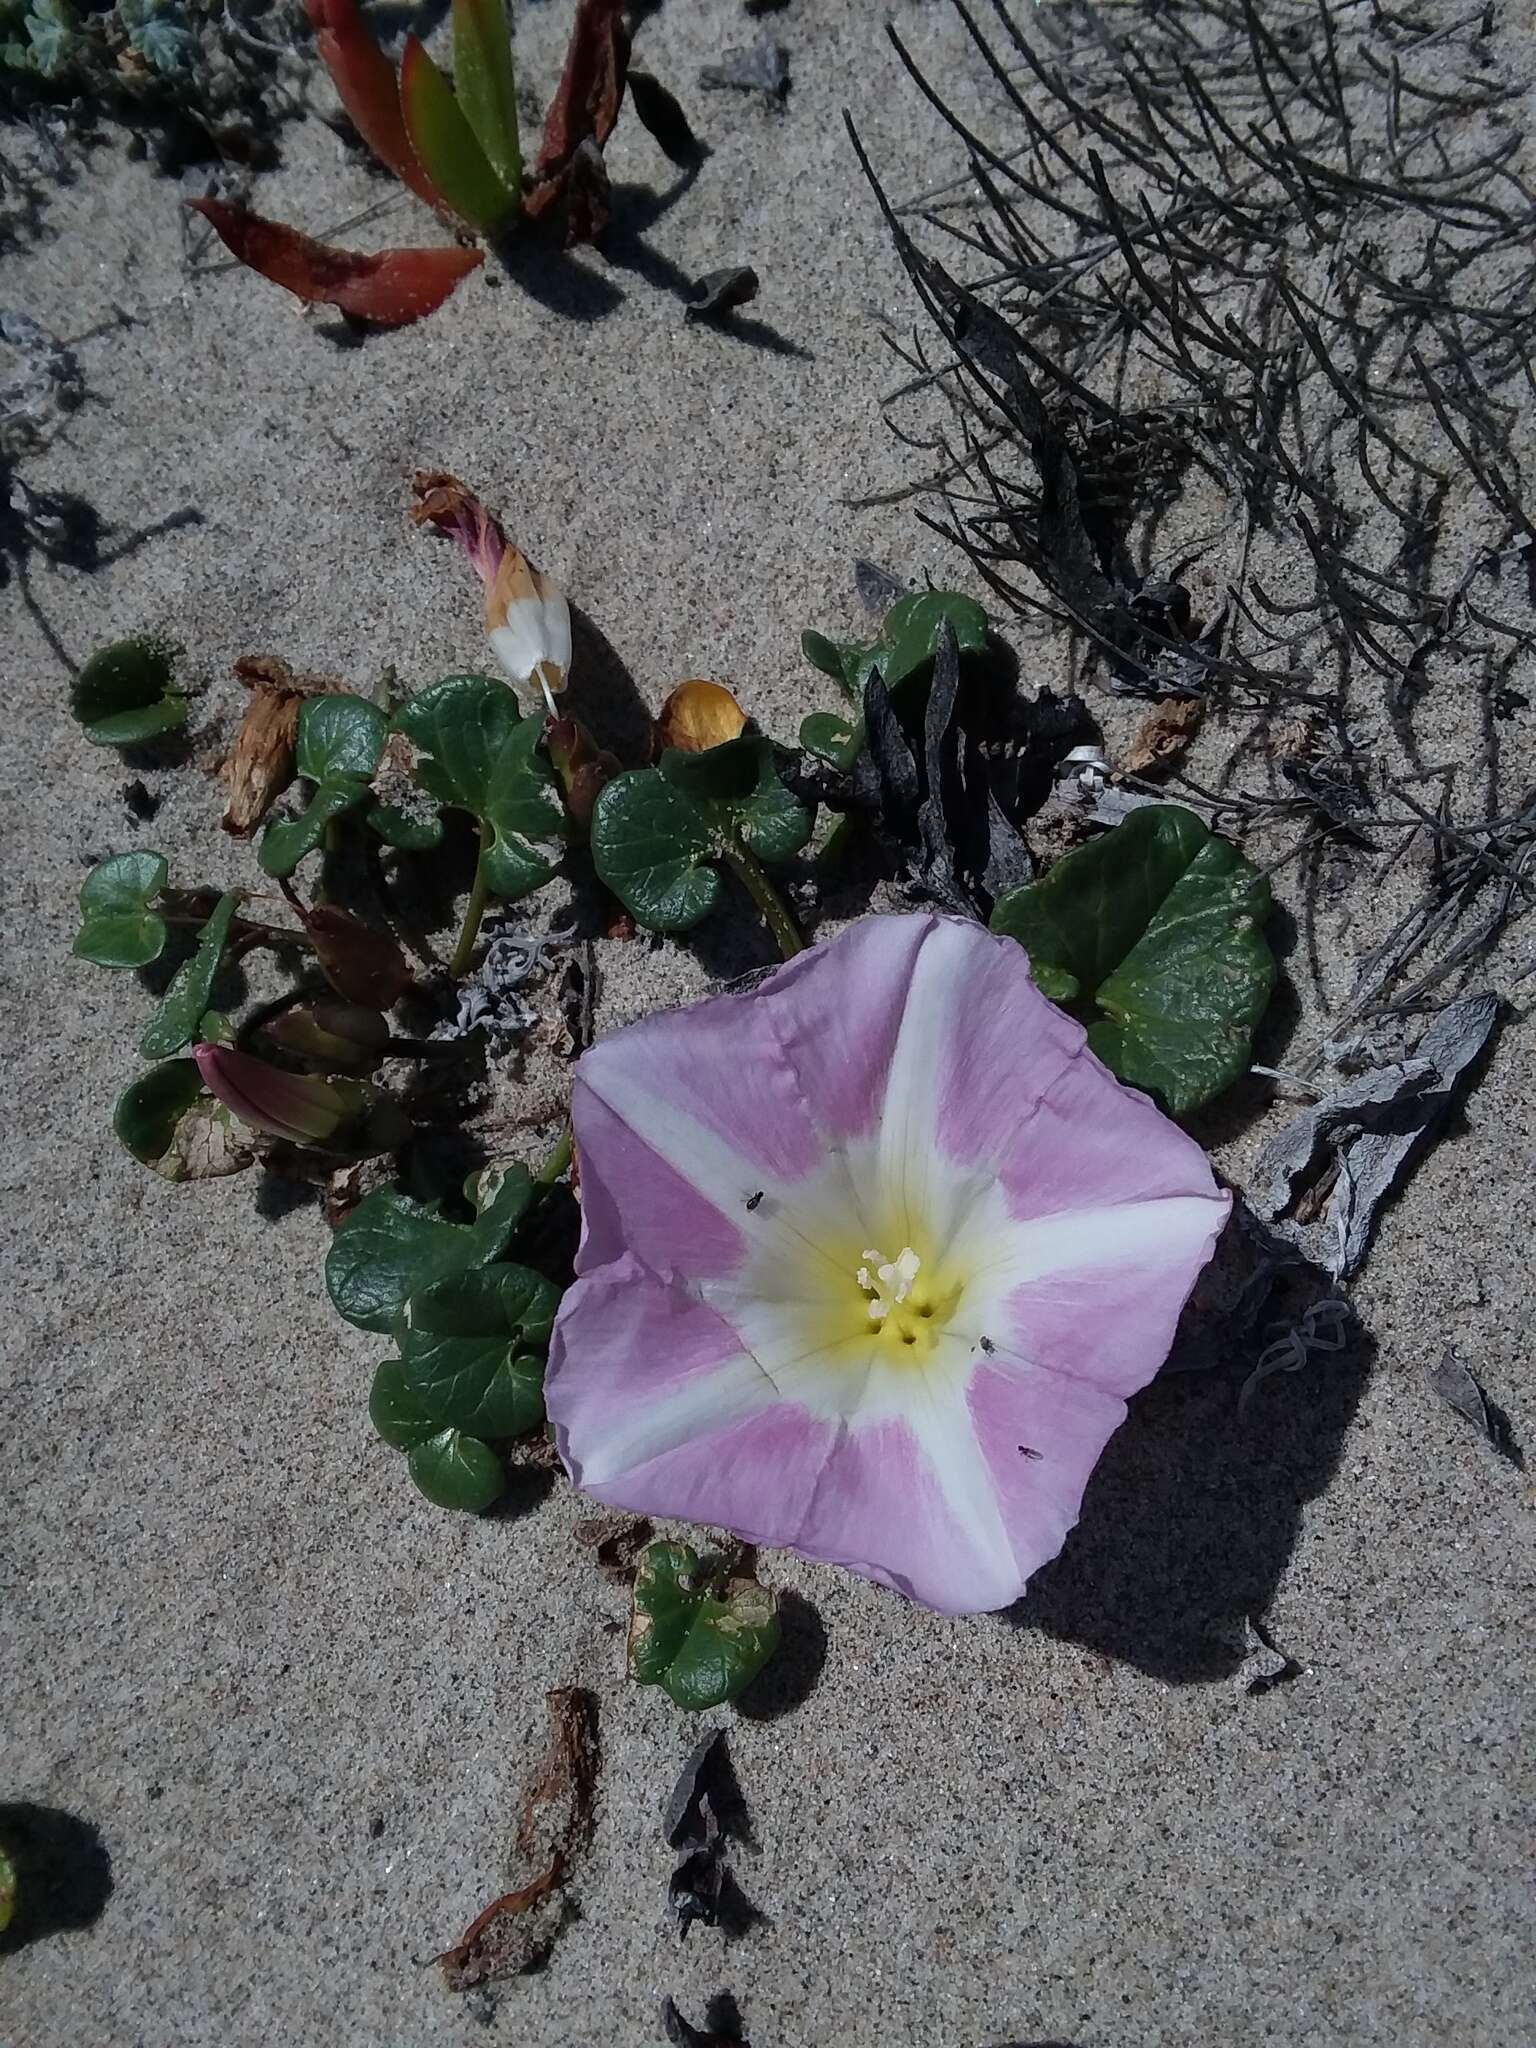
(581, 116)
(369, 90)
(391, 288)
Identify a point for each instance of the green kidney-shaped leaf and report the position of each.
(655, 830)
(391, 1248)
(117, 926)
(340, 743)
(651, 844)
(832, 739)
(172, 1125)
(701, 1639)
(908, 641)
(457, 1471)
(1154, 934)
(478, 754)
(472, 1349)
(126, 694)
(397, 1411)
(181, 1009)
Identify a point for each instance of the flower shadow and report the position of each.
(1193, 1511)
(63, 1871)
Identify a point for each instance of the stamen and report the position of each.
(891, 1282)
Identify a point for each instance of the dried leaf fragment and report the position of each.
(260, 764)
(719, 292)
(1460, 1389)
(698, 715)
(390, 289)
(616, 1543)
(519, 1928)
(758, 67)
(1264, 1666)
(581, 118)
(721, 2029)
(1164, 734)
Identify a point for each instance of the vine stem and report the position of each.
(474, 910)
(558, 1159)
(768, 900)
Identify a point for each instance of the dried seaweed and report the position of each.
(518, 1929)
(761, 67)
(1374, 1130)
(703, 1814)
(1271, 265)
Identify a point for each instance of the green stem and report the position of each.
(836, 846)
(474, 910)
(768, 900)
(558, 1160)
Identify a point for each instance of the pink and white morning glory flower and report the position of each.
(871, 1258)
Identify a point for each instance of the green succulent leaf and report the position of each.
(448, 148)
(472, 1348)
(908, 641)
(657, 831)
(701, 1638)
(486, 86)
(391, 1248)
(7, 1889)
(1155, 935)
(457, 1471)
(478, 754)
(117, 926)
(172, 1125)
(181, 1009)
(341, 741)
(397, 1411)
(126, 694)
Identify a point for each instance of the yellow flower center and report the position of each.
(904, 1305)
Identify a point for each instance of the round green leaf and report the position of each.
(457, 1471)
(479, 755)
(126, 694)
(391, 1248)
(117, 928)
(397, 1411)
(285, 843)
(176, 1022)
(908, 641)
(340, 738)
(1155, 933)
(651, 844)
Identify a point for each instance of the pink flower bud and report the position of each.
(302, 1108)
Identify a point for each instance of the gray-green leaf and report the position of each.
(175, 1023)
(478, 754)
(701, 1639)
(126, 694)
(391, 1248)
(341, 741)
(1154, 934)
(117, 927)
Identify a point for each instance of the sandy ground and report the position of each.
(293, 1703)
